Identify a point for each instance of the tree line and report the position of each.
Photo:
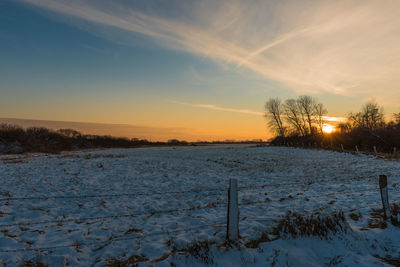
(15, 139)
(301, 121)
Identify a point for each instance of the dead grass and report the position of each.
(286, 198)
(133, 230)
(199, 250)
(295, 225)
(33, 264)
(355, 216)
(389, 260)
(377, 218)
(131, 261)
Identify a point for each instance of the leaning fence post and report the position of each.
(376, 152)
(384, 195)
(342, 147)
(357, 149)
(232, 230)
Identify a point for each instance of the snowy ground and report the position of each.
(89, 208)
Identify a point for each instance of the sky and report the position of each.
(200, 69)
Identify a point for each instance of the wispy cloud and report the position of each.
(247, 111)
(214, 107)
(334, 119)
(345, 47)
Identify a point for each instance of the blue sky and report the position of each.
(203, 66)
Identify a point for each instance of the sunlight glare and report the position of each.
(328, 128)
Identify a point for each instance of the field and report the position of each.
(167, 207)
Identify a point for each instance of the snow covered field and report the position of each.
(153, 204)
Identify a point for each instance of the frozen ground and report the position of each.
(152, 204)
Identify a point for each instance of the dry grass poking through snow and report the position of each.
(200, 250)
(294, 225)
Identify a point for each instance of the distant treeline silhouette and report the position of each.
(300, 122)
(15, 139)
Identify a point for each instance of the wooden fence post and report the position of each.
(357, 149)
(395, 152)
(342, 147)
(376, 152)
(384, 195)
(232, 230)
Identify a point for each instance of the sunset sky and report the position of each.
(199, 69)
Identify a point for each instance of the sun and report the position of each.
(328, 128)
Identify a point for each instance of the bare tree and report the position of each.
(320, 111)
(273, 114)
(397, 117)
(303, 116)
(307, 109)
(370, 117)
(293, 116)
(345, 127)
(374, 115)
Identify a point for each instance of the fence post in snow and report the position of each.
(342, 147)
(384, 195)
(357, 149)
(232, 230)
(376, 152)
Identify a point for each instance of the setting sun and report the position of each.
(328, 128)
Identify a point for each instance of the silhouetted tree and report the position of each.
(293, 116)
(320, 112)
(397, 117)
(370, 117)
(273, 114)
(306, 106)
(344, 127)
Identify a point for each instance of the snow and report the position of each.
(117, 203)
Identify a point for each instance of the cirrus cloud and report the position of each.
(345, 47)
